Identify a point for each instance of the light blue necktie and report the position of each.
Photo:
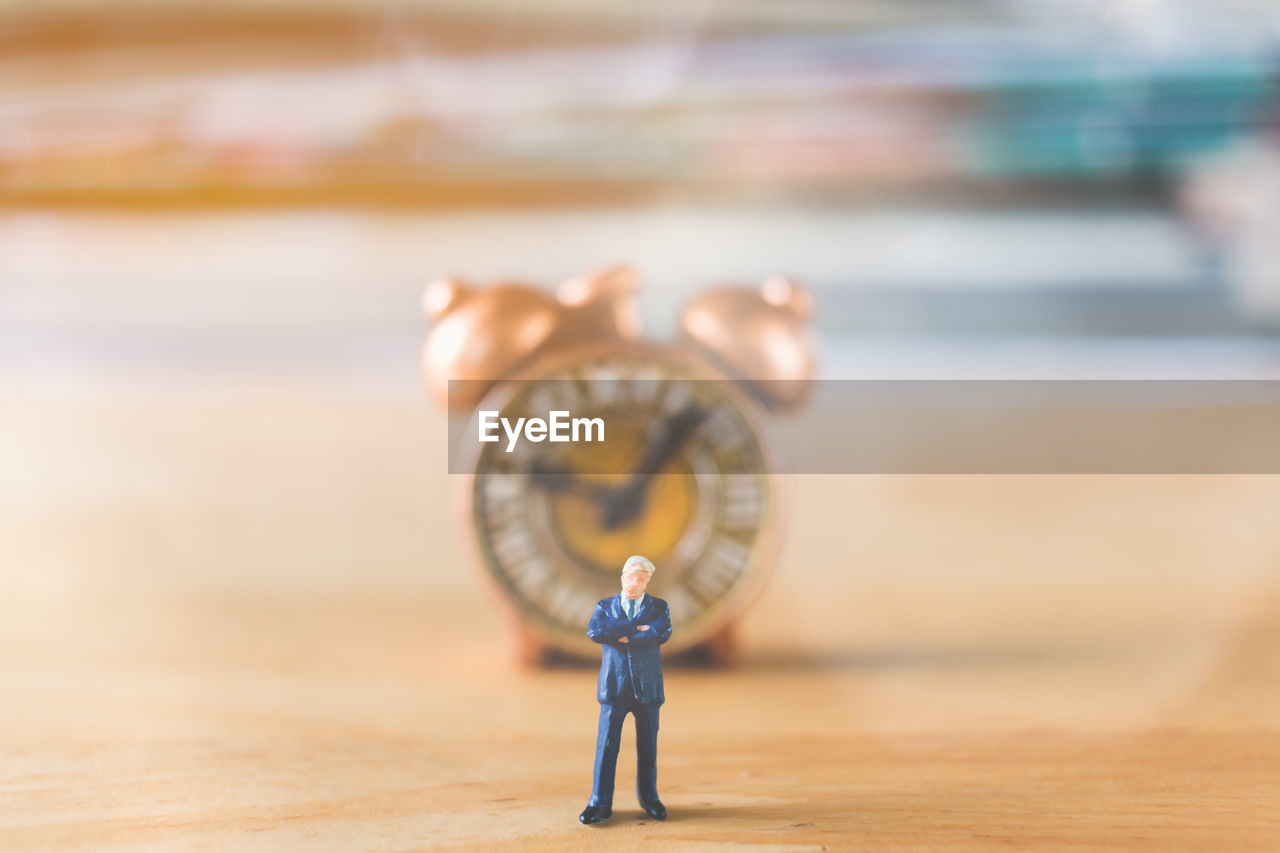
(631, 608)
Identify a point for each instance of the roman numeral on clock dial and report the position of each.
(741, 501)
(567, 604)
(559, 394)
(682, 605)
(721, 564)
(503, 497)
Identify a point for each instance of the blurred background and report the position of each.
(187, 185)
(227, 553)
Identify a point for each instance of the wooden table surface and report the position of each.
(244, 620)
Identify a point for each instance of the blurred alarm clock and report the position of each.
(684, 478)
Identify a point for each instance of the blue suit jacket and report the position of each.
(639, 657)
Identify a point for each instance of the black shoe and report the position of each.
(598, 814)
(655, 809)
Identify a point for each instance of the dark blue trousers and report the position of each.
(607, 741)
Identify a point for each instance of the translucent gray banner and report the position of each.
(641, 427)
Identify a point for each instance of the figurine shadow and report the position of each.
(700, 812)
(634, 817)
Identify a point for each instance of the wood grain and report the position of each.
(231, 621)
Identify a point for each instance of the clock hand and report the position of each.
(626, 502)
(560, 478)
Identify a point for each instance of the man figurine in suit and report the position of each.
(629, 627)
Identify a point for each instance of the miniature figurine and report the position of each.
(630, 628)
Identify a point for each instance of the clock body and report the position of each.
(682, 477)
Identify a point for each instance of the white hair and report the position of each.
(641, 563)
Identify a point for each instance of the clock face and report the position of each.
(681, 479)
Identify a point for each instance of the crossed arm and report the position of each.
(605, 629)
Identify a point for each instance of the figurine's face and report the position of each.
(634, 582)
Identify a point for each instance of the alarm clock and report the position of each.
(686, 476)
